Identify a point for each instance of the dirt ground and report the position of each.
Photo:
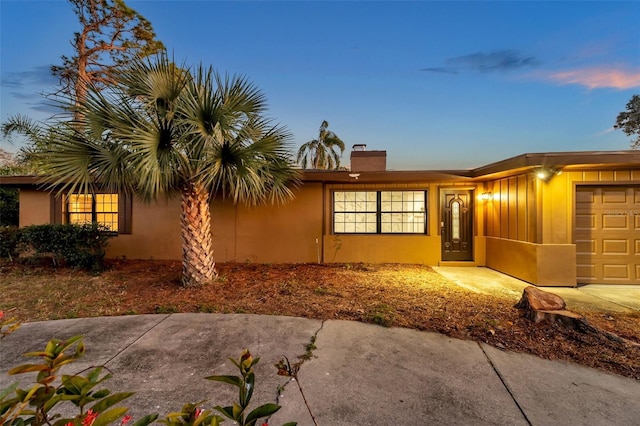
(389, 295)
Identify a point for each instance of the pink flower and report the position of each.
(91, 417)
(69, 424)
(125, 420)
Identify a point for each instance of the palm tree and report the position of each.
(320, 153)
(163, 130)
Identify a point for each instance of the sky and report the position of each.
(438, 85)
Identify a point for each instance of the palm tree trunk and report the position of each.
(198, 265)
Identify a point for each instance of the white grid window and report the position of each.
(379, 212)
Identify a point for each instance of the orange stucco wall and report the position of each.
(35, 207)
(540, 264)
(421, 249)
(155, 232)
(382, 249)
(299, 231)
(270, 234)
(265, 234)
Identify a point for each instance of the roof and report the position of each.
(511, 166)
(576, 159)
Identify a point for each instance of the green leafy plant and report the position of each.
(9, 242)
(381, 314)
(81, 246)
(35, 406)
(97, 406)
(246, 385)
(8, 325)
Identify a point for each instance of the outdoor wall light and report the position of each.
(485, 196)
(545, 174)
(354, 175)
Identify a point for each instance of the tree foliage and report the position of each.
(162, 129)
(321, 153)
(629, 121)
(9, 197)
(112, 34)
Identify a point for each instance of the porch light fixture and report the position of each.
(545, 174)
(485, 196)
(542, 174)
(354, 175)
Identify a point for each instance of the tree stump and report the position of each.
(538, 305)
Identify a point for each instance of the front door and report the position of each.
(456, 226)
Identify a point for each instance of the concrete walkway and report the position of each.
(606, 298)
(360, 374)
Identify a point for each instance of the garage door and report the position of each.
(607, 234)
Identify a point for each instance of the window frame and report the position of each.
(379, 212)
(60, 210)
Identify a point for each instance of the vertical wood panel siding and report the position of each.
(511, 212)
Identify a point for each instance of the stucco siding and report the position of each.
(270, 234)
(155, 232)
(418, 249)
(540, 264)
(35, 207)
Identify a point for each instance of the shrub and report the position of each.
(9, 210)
(98, 406)
(9, 242)
(7, 325)
(78, 246)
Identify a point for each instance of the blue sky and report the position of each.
(438, 85)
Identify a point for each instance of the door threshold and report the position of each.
(457, 263)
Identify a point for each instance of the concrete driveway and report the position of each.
(360, 374)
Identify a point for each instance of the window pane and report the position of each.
(84, 208)
(109, 220)
(80, 203)
(79, 218)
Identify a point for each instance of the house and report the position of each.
(551, 219)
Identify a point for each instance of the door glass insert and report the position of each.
(455, 220)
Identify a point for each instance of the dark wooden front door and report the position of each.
(456, 224)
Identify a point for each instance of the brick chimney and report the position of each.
(367, 161)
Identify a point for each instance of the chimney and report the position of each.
(367, 161)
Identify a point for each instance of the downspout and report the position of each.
(323, 228)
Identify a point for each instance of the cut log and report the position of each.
(564, 317)
(537, 306)
(534, 299)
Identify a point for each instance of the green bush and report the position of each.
(98, 406)
(78, 246)
(9, 242)
(9, 206)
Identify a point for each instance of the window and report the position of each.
(88, 208)
(379, 212)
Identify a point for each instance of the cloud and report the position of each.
(498, 60)
(29, 87)
(38, 76)
(606, 132)
(597, 78)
